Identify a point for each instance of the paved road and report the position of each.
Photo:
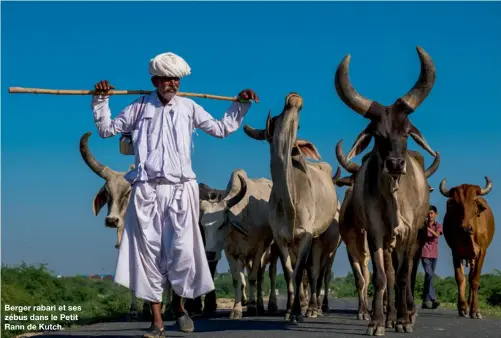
(339, 322)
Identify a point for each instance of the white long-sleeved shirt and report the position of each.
(162, 135)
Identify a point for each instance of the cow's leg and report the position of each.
(389, 266)
(298, 275)
(327, 282)
(147, 312)
(236, 267)
(313, 270)
(286, 260)
(260, 300)
(272, 302)
(252, 309)
(475, 285)
(320, 286)
(411, 304)
(244, 285)
(361, 283)
(461, 283)
(133, 313)
(402, 277)
(168, 311)
(210, 301)
(376, 326)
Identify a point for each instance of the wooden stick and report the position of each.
(16, 90)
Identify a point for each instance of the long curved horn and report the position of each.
(233, 198)
(443, 190)
(434, 166)
(425, 82)
(96, 166)
(488, 187)
(345, 90)
(256, 134)
(349, 166)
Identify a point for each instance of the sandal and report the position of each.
(184, 322)
(154, 332)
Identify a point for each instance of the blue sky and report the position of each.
(274, 48)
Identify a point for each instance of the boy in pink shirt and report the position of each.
(429, 255)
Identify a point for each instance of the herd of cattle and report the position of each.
(297, 216)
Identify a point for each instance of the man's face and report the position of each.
(167, 87)
(432, 215)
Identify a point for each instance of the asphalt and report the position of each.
(339, 322)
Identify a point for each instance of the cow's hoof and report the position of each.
(375, 330)
(287, 316)
(252, 310)
(476, 315)
(463, 313)
(235, 314)
(272, 308)
(403, 328)
(311, 313)
(413, 318)
(390, 324)
(296, 319)
(320, 312)
(367, 316)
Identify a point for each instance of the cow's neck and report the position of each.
(284, 185)
(382, 187)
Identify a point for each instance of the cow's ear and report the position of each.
(307, 149)
(99, 200)
(481, 207)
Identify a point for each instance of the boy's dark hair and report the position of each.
(434, 208)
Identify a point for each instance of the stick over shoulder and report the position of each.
(18, 90)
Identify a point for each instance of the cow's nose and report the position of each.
(111, 221)
(395, 165)
(469, 230)
(211, 255)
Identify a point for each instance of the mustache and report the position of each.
(170, 89)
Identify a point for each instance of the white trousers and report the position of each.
(162, 241)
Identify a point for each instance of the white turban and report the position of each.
(169, 64)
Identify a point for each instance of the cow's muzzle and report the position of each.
(395, 165)
(211, 256)
(111, 221)
(468, 229)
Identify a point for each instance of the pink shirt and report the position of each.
(430, 248)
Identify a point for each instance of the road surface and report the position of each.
(339, 322)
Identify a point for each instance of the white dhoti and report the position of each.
(162, 241)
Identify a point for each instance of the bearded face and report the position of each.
(167, 87)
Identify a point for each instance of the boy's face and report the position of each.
(432, 215)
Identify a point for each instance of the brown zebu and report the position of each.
(468, 230)
(390, 193)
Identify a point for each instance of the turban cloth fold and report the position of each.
(170, 65)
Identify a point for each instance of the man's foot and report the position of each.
(155, 332)
(435, 304)
(427, 305)
(184, 322)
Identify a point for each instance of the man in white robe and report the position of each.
(162, 240)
